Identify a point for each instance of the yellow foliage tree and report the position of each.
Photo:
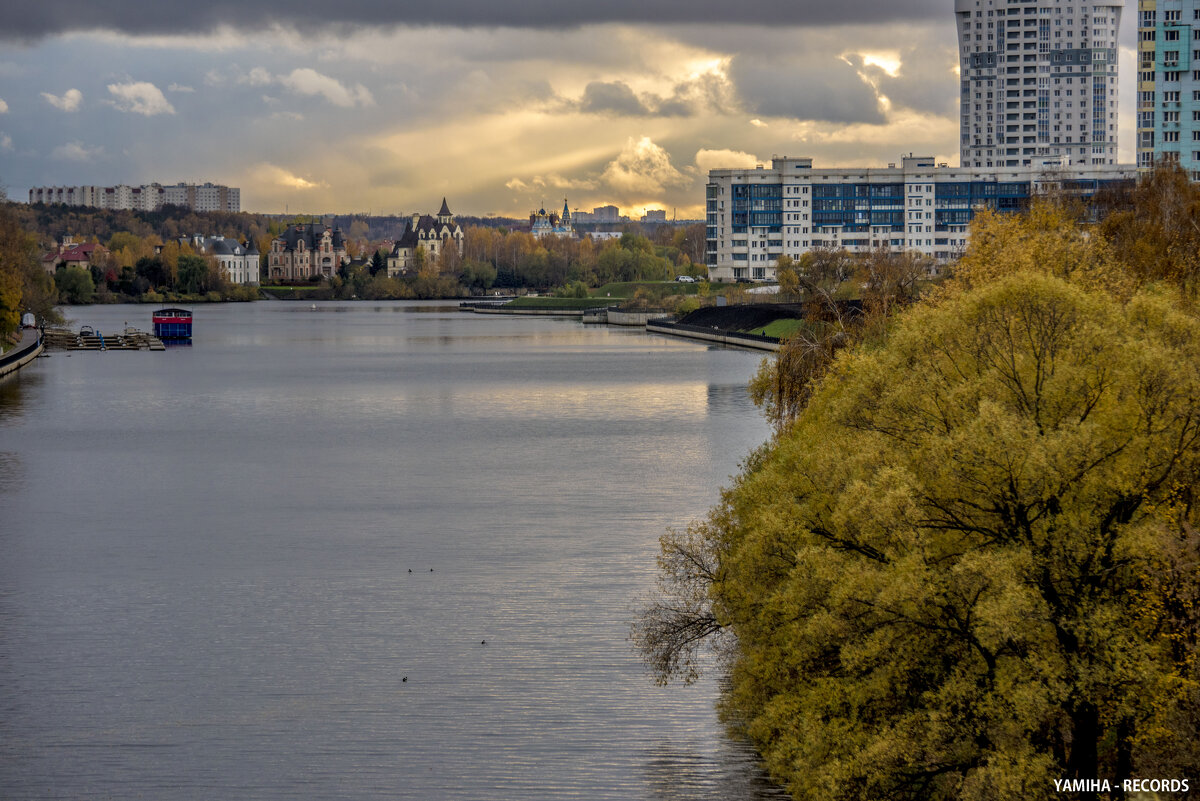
(969, 567)
(1046, 239)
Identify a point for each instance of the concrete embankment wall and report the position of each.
(529, 311)
(638, 318)
(29, 349)
(713, 335)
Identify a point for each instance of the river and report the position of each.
(371, 550)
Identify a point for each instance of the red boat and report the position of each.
(173, 324)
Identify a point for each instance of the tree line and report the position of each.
(495, 259)
(145, 251)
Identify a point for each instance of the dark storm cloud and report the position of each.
(25, 20)
(707, 93)
(812, 86)
(611, 98)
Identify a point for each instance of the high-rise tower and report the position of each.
(1038, 80)
(1168, 107)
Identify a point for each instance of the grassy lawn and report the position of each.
(778, 329)
(556, 303)
(625, 289)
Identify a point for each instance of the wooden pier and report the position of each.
(129, 339)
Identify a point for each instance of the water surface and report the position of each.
(205, 556)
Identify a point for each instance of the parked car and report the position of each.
(685, 279)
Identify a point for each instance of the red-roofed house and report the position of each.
(85, 256)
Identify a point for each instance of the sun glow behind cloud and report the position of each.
(888, 62)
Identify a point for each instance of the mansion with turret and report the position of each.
(305, 251)
(432, 233)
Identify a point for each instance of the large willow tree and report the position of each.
(969, 567)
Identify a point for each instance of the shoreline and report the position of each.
(29, 349)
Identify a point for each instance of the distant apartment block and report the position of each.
(599, 214)
(1168, 85)
(149, 197)
(1039, 78)
(755, 216)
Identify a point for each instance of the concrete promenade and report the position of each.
(29, 349)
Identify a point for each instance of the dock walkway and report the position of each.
(129, 339)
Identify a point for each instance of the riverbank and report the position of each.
(734, 338)
(758, 326)
(28, 349)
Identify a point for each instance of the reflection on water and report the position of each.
(681, 773)
(11, 474)
(727, 398)
(15, 389)
(220, 563)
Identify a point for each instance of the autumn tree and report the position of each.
(889, 281)
(966, 569)
(969, 564)
(15, 251)
(1048, 238)
(449, 261)
(1154, 229)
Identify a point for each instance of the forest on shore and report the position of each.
(150, 259)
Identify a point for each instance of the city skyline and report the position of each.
(388, 110)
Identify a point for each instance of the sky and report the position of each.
(500, 106)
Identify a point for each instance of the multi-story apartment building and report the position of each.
(599, 214)
(756, 216)
(148, 197)
(1038, 116)
(1038, 78)
(1168, 100)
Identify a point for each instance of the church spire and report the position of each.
(444, 215)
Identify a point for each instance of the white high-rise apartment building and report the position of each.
(148, 197)
(1038, 79)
